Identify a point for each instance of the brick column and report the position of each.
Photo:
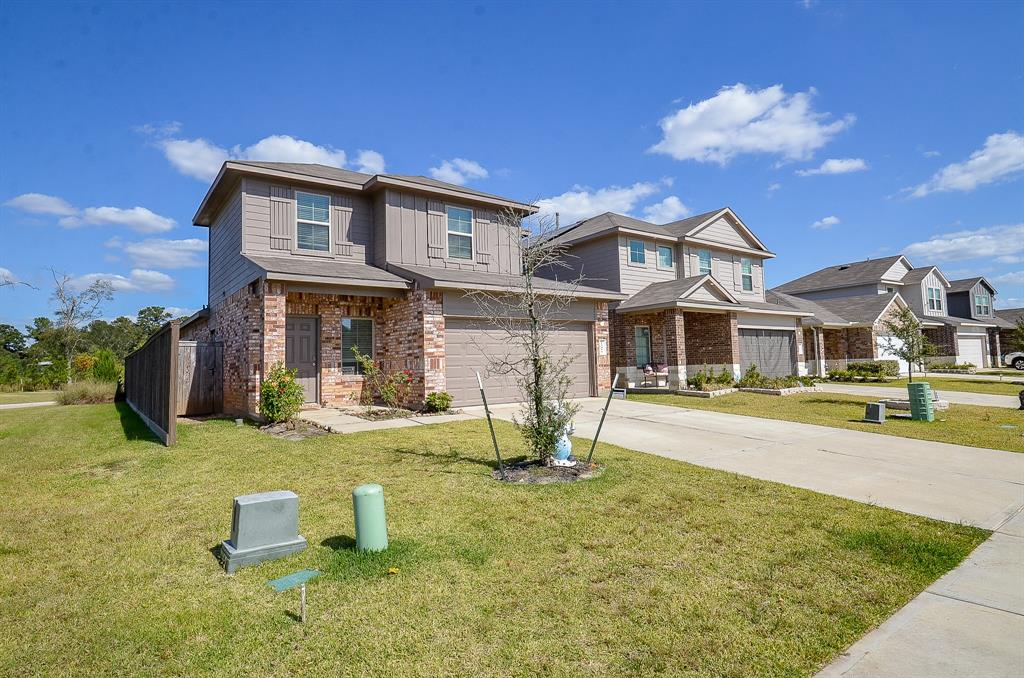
(675, 348)
(270, 345)
(801, 350)
(602, 348)
(412, 339)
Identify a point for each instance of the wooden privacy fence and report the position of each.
(167, 378)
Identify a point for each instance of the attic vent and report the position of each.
(843, 268)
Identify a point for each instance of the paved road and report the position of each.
(961, 397)
(970, 622)
(18, 406)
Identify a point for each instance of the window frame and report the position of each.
(746, 262)
(700, 262)
(650, 345)
(671, 256)
(985, 305)
(372, 353)
(449, 232)
(643, 252)
(934, 302)
(329, 252)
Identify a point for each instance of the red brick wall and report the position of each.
(237, 322)
(602, 335)
(623, 340)
(860, 342)
(712, 339)
(944, 339)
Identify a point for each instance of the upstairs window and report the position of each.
(704, 262)
(666, 259)
(747, 272)
(356, 332)
(934, 299)
(981, 304)
(314, 222)
(460, 232)
(636, 252)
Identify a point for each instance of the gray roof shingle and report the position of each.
(841, 275)
(822, 315)
(328, 271)
(665, 292)
(609, 221)
(311, 170)
(450, 277)
(863, 309)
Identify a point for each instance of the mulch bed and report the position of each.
(534, 472)
(382, 414)
(295, 429)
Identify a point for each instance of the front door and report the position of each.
(301, 350)
(642, 336)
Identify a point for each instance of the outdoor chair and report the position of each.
(655, 371)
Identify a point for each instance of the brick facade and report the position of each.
(944, 340)
(712, 339)
(602, 338)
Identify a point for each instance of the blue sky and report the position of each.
(837, 131)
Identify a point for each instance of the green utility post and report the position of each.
(371, 523)
(921, 407)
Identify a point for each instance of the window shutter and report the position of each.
(482, 220)
(694, 263)
(757, 273)
(282, 217)
(341, 222)
(437, 230)
(737, 273)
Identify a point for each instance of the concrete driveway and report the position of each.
(960, 397)
(971, 621)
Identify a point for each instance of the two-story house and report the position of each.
(308, 261)
(696, 298)
(973, 299)
(847, 290)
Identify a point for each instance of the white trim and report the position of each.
(449, 232)
(745, 326)
(373, 340)
(739, 222)
(329, 252)
(657, 257)
(743, 276)
(711, 262)
(629, 252)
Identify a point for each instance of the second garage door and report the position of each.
(972, 349)
(773, 351)
(468, 345)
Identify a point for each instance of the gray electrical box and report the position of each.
(264, 526)
(874, 413)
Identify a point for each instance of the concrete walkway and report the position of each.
(971, 621)
(960, 397)
(338, 421)
(19, 406)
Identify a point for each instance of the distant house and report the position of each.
(974, 299)
(695, 295)
(842, 289)
(308, 261)
(1007, 318)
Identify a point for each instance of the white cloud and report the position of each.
(1009, 259)
(738, 120)
(139, 280)
(370, 162)
(1000, 157)
(669, 209)
(825, 223)
(7, 277)
(1011, 278)
(993, 241)
(202, 159)
(179, 311)
(772, 188)
(161, 253)
(159, 129)
(1009, 302)
(137, 218)
(931, 154)
(836, 166)
(581, 202)
(38, 203)
(458, 171)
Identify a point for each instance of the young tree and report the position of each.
(74, 309)
(527, 314)
(906, 341)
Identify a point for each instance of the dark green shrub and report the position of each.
(441, 401)
(698, 381)
(281, 396)
(752, 378)
(107, 367)
(724, 378)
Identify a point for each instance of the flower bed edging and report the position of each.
(969, 370)
(782, 391)
(706, 394)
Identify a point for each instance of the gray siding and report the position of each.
(840, 292)
(896, 271)
(415, 233)
(725, 268)
(269, 221)
(596, 261)
(228, 269)
(723, 231)
(932, 280)
(635, 277)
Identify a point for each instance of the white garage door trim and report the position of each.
(466, 342)
(971, 349)
(883, 352)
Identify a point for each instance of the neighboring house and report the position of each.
(925, 290)
(1007, 319)
(308, 261)
(974, 299)
(696, 298)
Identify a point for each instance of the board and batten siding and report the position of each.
(932, 280)
(228, 269)
(596, 262)
(270, 221)
(415, 233)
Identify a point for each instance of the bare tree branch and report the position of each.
(75, 309)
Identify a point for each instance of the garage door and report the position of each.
(972, 349)
(773, 351)
(884, 353)
(468, 345)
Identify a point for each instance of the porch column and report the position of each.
(819, 350)
(675, 348)
(734, 341)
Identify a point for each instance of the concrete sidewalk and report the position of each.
(20, 406)
(960, 397)
(969, 622)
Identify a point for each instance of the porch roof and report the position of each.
(681, 293)
(327, 272)
(454, 279)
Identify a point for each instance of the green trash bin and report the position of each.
(371, 524)
(921, 406)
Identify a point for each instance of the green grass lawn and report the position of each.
(27, 397)
(1005, 371)
(1007, 387)
(657, 566)
(972, 425)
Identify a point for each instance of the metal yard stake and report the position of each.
(604, 411)
(494, 438)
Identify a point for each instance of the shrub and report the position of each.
(281, 396)
(752, 378)
(724, 378)
(698, 381)
(391, 388)
(441, 401)
(951, 366)
(87, 392)
(82, 365)
(107, 367)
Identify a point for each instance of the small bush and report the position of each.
(82, 365)
(724, 378)
(281, 396)
(752, 378)
(87, 392)
(106, 367)
(951, 366)
(391, 388)
(698, 381)
(441, 401)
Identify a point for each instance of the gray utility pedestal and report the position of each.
(264, 526)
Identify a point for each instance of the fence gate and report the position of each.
(200, 385)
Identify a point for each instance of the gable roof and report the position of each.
(692, 226)
(670, 292)
(916, 275)
(451, 278)
(843, 275)
(1010, 315)
(865, 309)
(822, 315)
(967, 284)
